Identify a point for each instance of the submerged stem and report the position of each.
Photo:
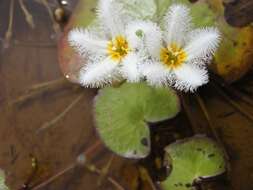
(207, 117)
(145, 175)
(188, 114)
(49, 124)
(8, 33)
(105, 170)
(92, 168)
(230, 89)
(40, 89)
(116, 184)
(55, 24)
(28, 16)
(210, 122)
(233, 103)
(53, 178)
(47, 85)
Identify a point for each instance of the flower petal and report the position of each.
(189, 77)
(111, 16)
(202, 43)
(157, 74)
(129, 68)
(99, 74)
(177, 24)
(146, 32)
(86, 43)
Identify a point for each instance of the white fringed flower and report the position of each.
(110, 54)
(179, 57)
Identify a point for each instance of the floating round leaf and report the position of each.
(192, 160)
(122, 114)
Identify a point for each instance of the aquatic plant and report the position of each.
(135, 50)
(123, 115)
(113, 119)
(141, 59)
(193, 160)
(109, 52)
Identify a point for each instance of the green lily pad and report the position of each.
(122, 115)
(192, 160)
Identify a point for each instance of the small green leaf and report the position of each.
(122, 114)
(193, 159)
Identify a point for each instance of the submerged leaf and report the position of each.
(122, 114)
(192, 160)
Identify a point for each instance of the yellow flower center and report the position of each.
(118, 48)
(173, 56)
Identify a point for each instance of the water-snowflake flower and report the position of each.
(108, 53)
(181, 55)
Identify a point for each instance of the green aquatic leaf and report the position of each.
(192, 160)
(122, 115)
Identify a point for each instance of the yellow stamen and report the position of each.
(118, 48)
(173, 56)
